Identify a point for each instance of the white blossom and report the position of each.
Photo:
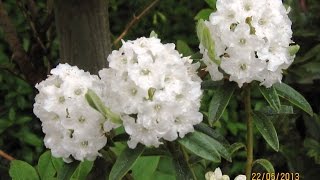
(71, 126)
(155, 89)
(240, 177)
(217, 175)
(252, 40)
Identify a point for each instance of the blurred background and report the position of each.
(174, 22)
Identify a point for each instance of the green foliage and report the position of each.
(20, 170)
(219, 102)
(288, 93)
(205, 147)
(270, 94)
(125, 161)
(267, 130)
(266, 165)
(145, 167)
(45, 166)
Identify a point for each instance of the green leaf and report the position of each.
(180, 162)
(95, 102)
(153, 34)
(293, 49)
(219, 102)
(145, 167)
(212, 133)
(163, 176)
(45, 166)
(23, 120)
(201, 145)
(205, 39)
(32, 139)
(313, 149)
(4, 124)
(264, 163)
(310, 54)
(267, 130)
(125, 162)
(235, 147)
(284, 110)
(12, 114)
(67, 170)
(82, 170)
(20, 170)
(211, 3)
(183, 48)
(57, 163)
(288, 93)
(203, 14)
(166, 167)
(270, 94)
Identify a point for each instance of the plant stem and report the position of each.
(248, 111)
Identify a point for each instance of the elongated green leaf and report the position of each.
(57, 163)
(293, 49)
(266, 164)
(288, 93)
(82, 170)
(203, 14)
(211, 3)
(219, 102)
(145, 167)
(212, 133)
(206, 40)
(184, 48)
(235, 147)
(163, 176)
(310, 54)
(20, 170)
(95, 102)
(182, 169)
(270, 94)
(67, 170)
(284, 110)
(125, 162)
(45, 166)
(201, 145)
(267, 130)
(153, 34)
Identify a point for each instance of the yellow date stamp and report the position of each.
(275, 176)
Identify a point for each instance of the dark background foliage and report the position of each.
(299, 134)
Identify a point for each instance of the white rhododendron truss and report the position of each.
(154, 89)
(71, 126)
(248, 40)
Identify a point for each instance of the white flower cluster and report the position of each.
(217, 175)
(70, 125)
(156, 91)
(252, 41)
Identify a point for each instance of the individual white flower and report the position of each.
(156, 91)
(216, 175)
(71, 126)
(240, 177)
(251, 34)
